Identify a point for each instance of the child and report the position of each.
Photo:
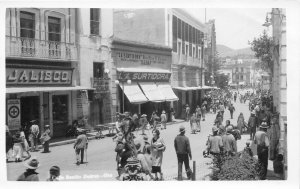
(54, 173)
(248, 150)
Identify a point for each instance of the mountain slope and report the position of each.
(222, 49)
(225, 51)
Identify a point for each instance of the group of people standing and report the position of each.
(18, 141)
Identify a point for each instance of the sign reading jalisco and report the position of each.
(27, 76)
(143, 76)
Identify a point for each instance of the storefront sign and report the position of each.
(13, 114)
(38, 76)
(143, 76)
(101, 85)
(136, 59)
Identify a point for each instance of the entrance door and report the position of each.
(60, 115)
(29, 109)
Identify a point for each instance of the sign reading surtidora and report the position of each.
(144, 76)
(26, 76)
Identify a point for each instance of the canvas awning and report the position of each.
(134, 93)
(44, 89)
(187, 88)
(167, 92)
(152, 92)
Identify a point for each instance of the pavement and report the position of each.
(100, 161)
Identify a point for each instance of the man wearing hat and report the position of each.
(214, 143)
(163, 119)
(252, 124)
(30, 174)
(45, 138)
(80, 145)
(229, 142)
(143, 123)
(262, 141)
(54, 173)
(183, 151)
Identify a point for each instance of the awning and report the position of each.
(167, 92)
(207, 87)
(44, 89)
(143, 70)
(187, 88)
(152, 92)
(134, 93)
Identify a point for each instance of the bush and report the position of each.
(238, 167)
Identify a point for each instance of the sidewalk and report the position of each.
(90, 135)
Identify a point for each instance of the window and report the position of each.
(242, 69)
(179, 47)
(236, 69)
(183, 50)
(186, 32)
(194, 35)
(95, 20)
(179, 29)
(98, 70)
(190, 50)
(194, 52)
(242, 77)
(27, 24)
(186, 49)
(174, 28)
(54, 29)
(199, 53)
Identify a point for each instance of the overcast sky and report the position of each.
(234, 27)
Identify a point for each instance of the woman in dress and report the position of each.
(158, 147)
(240, 123)
(45, 138)
(18, 148)
(25, 144)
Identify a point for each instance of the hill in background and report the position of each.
(225, 51)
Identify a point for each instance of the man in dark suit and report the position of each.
(80, 145)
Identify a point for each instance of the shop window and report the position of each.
(95, 21)
(27, 24)
(98, 70)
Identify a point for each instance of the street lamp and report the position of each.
(117, 82)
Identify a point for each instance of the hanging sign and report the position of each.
(13, 114)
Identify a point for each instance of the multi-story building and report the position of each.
(177, 30)
(241, 74)
(41, 68)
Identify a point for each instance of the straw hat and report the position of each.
(144, 115)
(263, 125)
(214, 129)
(32, 163)
(181, 129)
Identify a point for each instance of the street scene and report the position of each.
(159, 94)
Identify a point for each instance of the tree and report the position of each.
(261, 47)
(221, 80)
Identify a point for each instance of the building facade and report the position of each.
(279, 79)
(41, 68)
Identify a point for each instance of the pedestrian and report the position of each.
(248, 149)
(229, 142)
(34, 133)
(193, 123)
(140, 156)
(148, 156)
(203, 111)
(154, 120)
(9, 142)
(214, 143)
(30, 174)
(163, 120)
(198, 118)
(235, 95)
(222, 109)
(158, 147)
(231, 109)
(187, 112)
(183, 151)
(219, 119)
(241, 122)
(172, 113)
(252, 124)
(54, 173)
(262, 140)
(143, 123)
(24, 143)
(45, 139)
(135, 121)
(80, 145)
(18, 147)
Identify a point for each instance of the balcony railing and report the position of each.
(40, 49)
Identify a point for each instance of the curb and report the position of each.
(70, 141)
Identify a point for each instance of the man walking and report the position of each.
(229, 142)
(262, 140)
(187, 112)
(80, 145)
(163, 120)
(214, 143)
(252, 124)
(183, 151)
(143, 123)
(34, 133)
(231, 110)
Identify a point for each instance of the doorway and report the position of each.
(29, 109)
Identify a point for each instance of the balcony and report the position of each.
(18, 47)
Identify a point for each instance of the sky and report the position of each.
(234, 27)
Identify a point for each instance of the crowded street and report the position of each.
(101, 163)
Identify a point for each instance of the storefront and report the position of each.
(41, 93)
(143, 78)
